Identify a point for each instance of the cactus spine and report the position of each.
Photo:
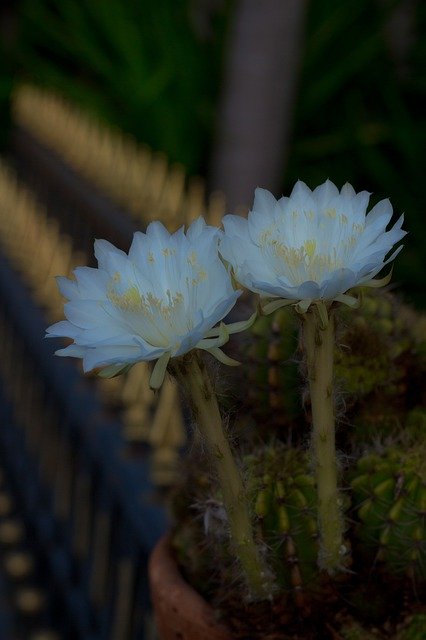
(272, 372)
(389, 495)
(284, 501)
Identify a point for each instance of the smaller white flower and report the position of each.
(313, 246)
(159, 301)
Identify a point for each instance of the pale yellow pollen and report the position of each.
(130, 300)
(151, 258)
(192, 259)
(265, 236)
(293, 257)
(200, 277)
(310, 246)
(343, 219)
(303, 262)
(331, 213)
(167, 252)
(117, 276)
(358, 228)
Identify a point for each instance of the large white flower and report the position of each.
(313, 246)
(159, 301)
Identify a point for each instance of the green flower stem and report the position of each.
(319, 346)
(193, 375)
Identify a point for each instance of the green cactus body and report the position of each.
(284, 501)
(389, 494)
(355, 631)
(379, 366)
(414, 628)
(273, 382)
(283, 498)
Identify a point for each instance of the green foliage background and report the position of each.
(138, 65)
(151, 69)
(361, 119)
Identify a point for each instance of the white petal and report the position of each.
(308, 291)
(85, 314)
(347, 190)
(301, 190)
(105, 252)
(257, 224)
(139, 249)
(157, 232)
(72, 351)
(234, 225)
(264, 201)
(361, 200)
(378, 268)
(325, 193)
(198, 228)
(91, 282)
(62, 329)
(379, 216)
(68, 288)
(339, 282)
(103, 356)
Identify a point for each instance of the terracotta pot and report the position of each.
(180, 612)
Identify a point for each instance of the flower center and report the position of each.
(134, 301)
(329, 244)
(303, 263)
(157, 319)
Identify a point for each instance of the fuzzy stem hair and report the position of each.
(193, 375)
(318, 338)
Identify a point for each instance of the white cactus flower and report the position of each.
(313, 246)
(159, 301)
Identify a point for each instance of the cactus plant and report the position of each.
(380, 360)
(270, 529)
(284, 512)
(413, 628)
(283, 500)
(380, 365)
(284, 506)
(389, 498)
(270, 352)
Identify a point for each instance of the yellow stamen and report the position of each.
(132, 300)
(310, 246)
(192, 259)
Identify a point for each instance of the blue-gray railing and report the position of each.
(91, 507)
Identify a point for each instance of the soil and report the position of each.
(371, 610)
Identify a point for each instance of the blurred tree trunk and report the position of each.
(258, 95)
(400, 30)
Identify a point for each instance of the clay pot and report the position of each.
(180, 612)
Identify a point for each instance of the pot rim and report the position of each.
(176, 603)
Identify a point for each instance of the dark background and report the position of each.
(156, 69)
